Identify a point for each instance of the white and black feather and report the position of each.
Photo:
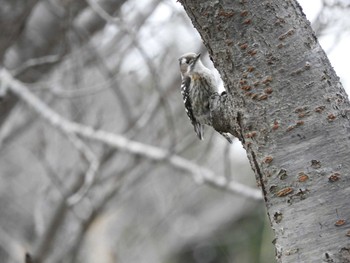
(185, 91)
(197, 86)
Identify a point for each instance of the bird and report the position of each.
(197, 86)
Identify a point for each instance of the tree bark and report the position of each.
(291, 113)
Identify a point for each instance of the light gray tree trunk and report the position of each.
(290, 112)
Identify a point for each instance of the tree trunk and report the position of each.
(290, 112)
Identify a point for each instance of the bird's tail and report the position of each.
(198, 128)
(227, 137)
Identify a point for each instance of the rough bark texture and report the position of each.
(289, 110)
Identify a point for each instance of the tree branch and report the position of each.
(148, 61)
(90, 174)
(201, 174)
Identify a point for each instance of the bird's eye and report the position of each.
(187, 61)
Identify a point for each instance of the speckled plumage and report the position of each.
(198, 84)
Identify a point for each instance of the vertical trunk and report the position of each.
(290, 112)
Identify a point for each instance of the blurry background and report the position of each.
(112, 65)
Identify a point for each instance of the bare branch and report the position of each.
(32, 62)
(149, 62)
(113, 190)
(201, 174)
(101, 12)
(91, 172)
(13, 127)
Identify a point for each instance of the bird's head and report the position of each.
(188, 62)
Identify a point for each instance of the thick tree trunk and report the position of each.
(286, 105)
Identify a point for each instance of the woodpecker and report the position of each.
(197, 86)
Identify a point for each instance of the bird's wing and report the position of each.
(185, 91)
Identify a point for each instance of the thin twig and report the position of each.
(90, 174)
(112, 79)
(108, 195)
(149, 62)
(34, 62)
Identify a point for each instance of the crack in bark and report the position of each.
(259, 173)
(240, 129)
(254, 159)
